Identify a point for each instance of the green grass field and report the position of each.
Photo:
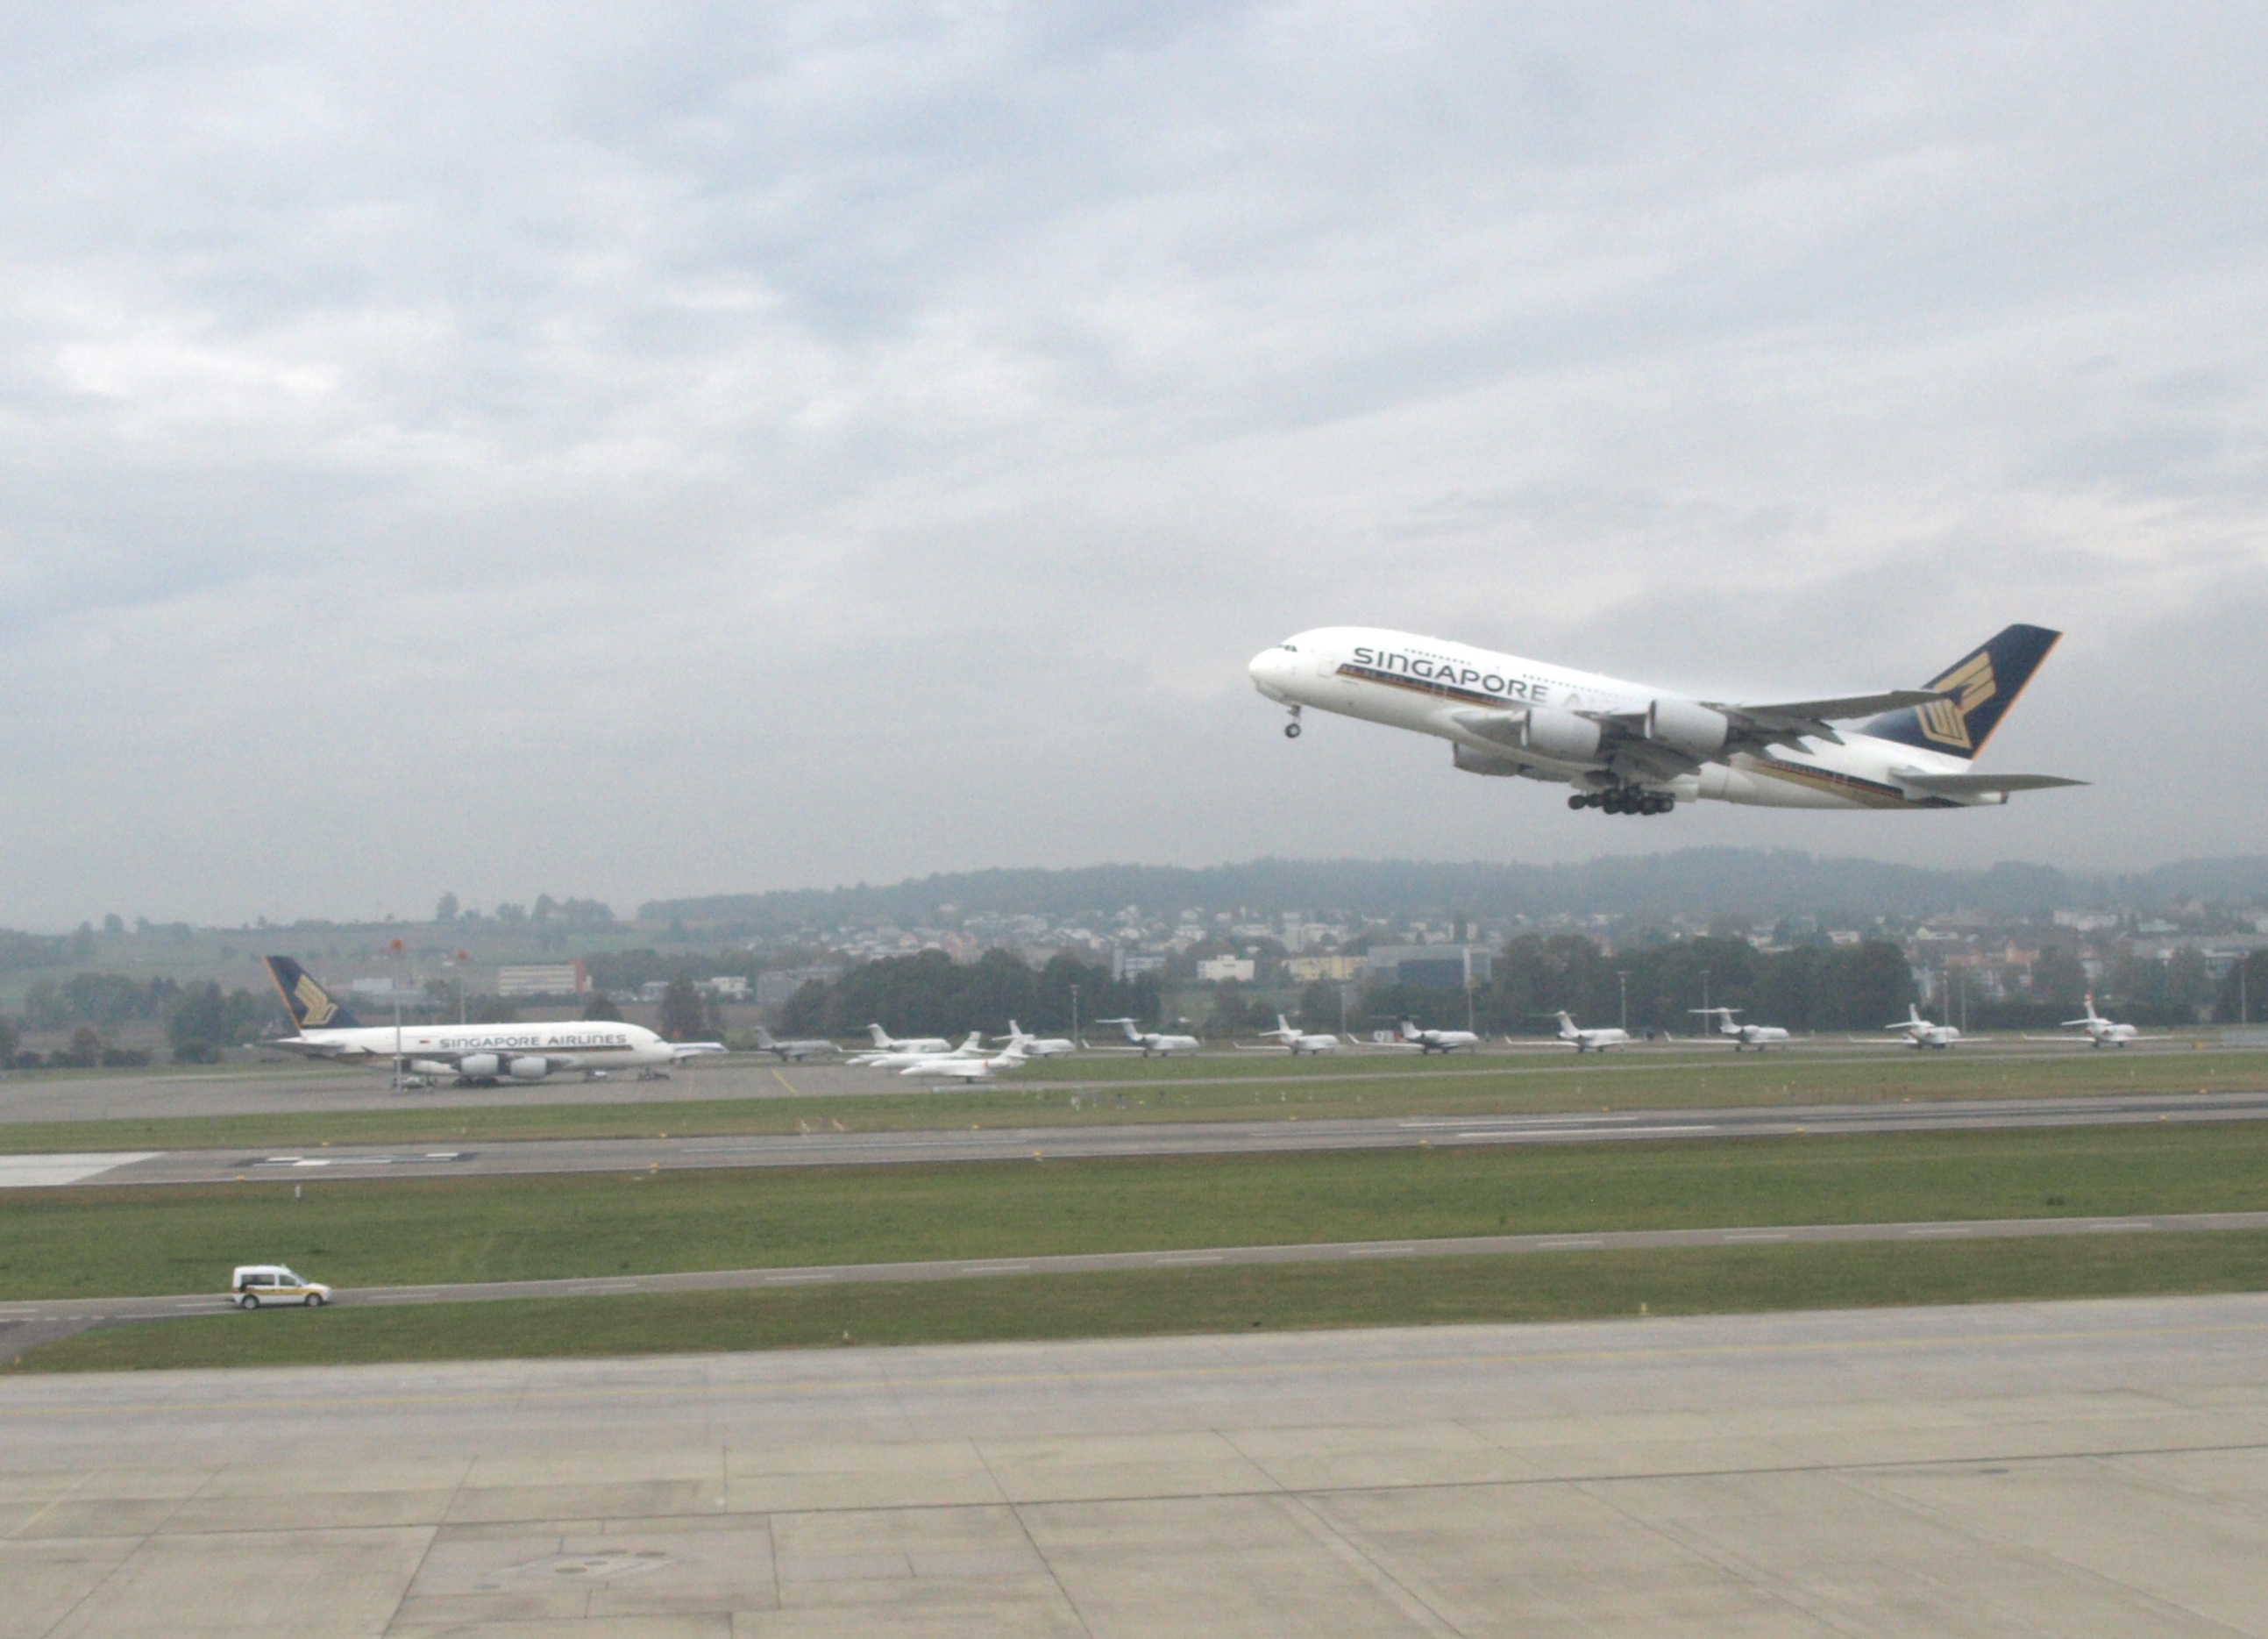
(113, 1241)
(1440, 1291)
(1217, 1087)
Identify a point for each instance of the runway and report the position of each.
(823, 1147)
(2090, 1467)
(40, 1319)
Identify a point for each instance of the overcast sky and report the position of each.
(658, 449)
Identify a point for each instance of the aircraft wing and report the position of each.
(1794, 719)
(1978, 785)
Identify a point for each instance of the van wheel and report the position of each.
(248, 1301)
(314, 1300)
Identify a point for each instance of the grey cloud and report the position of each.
(689, 447)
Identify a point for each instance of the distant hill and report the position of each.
(1748, 882)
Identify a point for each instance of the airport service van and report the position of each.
(254, 1285)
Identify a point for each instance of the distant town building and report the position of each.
(545, 978)
(1125, 965)
(1338, 969)
(1438, 967)
(726, 987)
(383, 995)
(1213, 970)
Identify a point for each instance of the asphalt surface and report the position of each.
(823, 1148)
(2042, 1468)
(40, 1320)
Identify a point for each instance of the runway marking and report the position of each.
(994, 1268)
(1382, 1251)
(783, 1080)
(1171, 1260)
(1749, 1236)
(37, 1171)
(1943, 1230)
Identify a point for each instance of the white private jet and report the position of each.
(792, 1051)
(1629, 748)
(1919, 1032)
(976, 1068)
(884, 1041)
(972, 1048)
(2099, 1030)
(1155, 1043)
(478, 1055)
(1590, 1041)
(1435, 1041)
(1037, 1046)
(1756, 1036)
(1299, 1042)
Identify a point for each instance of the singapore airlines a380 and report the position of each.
(1629, 748)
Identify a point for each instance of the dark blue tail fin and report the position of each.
(1984, 684)
(312, 1008)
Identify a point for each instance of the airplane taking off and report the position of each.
(2099, 1030)
(1590, 1041)
(1153, 1042)
(479, 1055)
(1300, 1041)
(792, 1051)
(1921, 1033)
(1629, 748)
(1037, 1046)
(1755, 1035)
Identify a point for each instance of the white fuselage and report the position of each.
(519, 1051)
(1420, 684)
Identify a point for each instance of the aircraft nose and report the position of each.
(1266, 672)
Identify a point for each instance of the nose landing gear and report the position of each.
(1291, 729)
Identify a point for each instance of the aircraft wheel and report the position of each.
(1575, 802)
(1290, 731)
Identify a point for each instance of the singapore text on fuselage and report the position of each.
(1630, 748)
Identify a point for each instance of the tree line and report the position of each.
(931, 994)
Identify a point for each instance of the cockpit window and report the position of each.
(1289, 648)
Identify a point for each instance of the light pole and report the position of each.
(1622, 984)
(1074, 1013)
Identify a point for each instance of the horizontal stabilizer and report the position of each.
(1978, 785)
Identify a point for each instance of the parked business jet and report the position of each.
(884, 1041)
(1755, 1035)
(1590, 1041)
(1919, 1032)
(1300, 1041)
(792, 1051)
(976, 1068)
(1155, 1043)
(479, 1055)
(1629, 748)
(1037, 1046)
(1436, 1041)
(2099, 1030)
(972, 1048)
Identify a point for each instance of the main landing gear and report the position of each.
(1291, 729)
(1623, 799)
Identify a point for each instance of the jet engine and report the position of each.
(478, 1067)
(1562, 736)
(530, 1069)
(1693, 729)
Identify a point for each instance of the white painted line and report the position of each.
(443, 1155)
(48, 1172)
(1185, 1258)
(1381, 1251)
(1759, 1235)
(2121, 1223)
(1566, 1241)
(993, 1268)
(791, 1280)
(1953, 1229)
